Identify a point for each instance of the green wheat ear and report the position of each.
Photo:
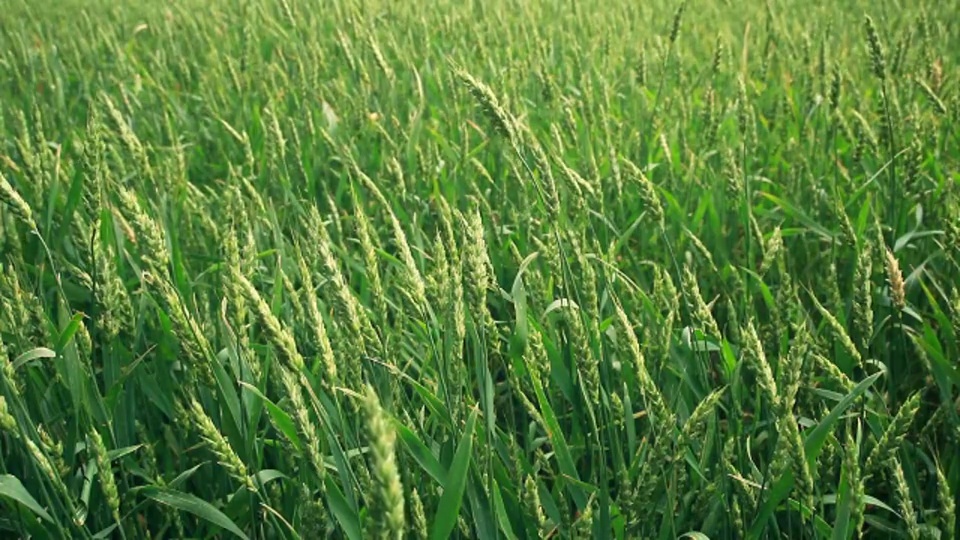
(877, 56)
(105, 473)
(387, 518)
(7, 422)
(948, 507)
(15, 202)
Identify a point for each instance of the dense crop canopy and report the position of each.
(479, 269)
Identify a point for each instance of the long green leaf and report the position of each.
(280, 418)
(231, 415)
(185, 475)
(503, 518)
(420, 452)
(518, 341)
(456, 482)
(11, 488)
(349, 519)
(190, 503)
(812, 445)
(841, 526)
(565, 460)
(33, 354)
(68, 331)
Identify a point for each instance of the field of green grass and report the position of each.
(359, 269)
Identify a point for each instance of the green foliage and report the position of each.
(479, 269)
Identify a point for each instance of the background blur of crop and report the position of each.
(479, 269)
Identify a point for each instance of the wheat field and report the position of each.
(278, 269)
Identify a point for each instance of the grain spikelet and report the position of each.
(895, 277)
(838, 331)
(771, 251)
(948, 506)
(662, 417)
(415, 286)
(757, 360)
(478, 279)
(648, 192)
(127, 136)
(17, 205)
(7, 422)
(854, 478)
(699, 311)
(502, 121)
(317, 325)
(301, 414)
(892, 438)
(863, 296)
(387, 512)
(345, 304)
(47, 468)
(877, 59)
(280, 336)
(419, 526)
(105, 473)
(148, 234)
(368, 248)
(226, 455)
(907, 511)
(190, 333)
